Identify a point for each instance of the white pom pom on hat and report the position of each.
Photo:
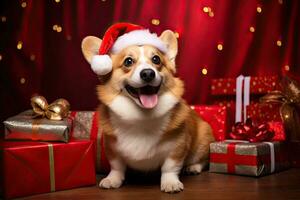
(118, 37)
(101, 64)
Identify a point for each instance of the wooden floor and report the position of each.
(284, 185)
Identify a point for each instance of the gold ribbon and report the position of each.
(289, 98)
(51, 168)
(57, 110)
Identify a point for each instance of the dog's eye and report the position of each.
(128, 62)
(156, 59)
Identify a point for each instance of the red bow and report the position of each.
(252, 133)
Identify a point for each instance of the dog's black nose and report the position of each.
(147, 75)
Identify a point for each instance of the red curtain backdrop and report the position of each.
(41, 54)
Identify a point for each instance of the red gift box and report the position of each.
(258, 85)
(36, 167)
(264, 112)
(224, 90)
(244, 158)
(217, 117)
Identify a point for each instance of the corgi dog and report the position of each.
(146, 123)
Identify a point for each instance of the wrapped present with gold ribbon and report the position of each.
(29, 167)
(43, 123)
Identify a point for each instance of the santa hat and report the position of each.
(118, 37)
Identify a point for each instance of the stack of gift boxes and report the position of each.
(260, 148)
(42, 155)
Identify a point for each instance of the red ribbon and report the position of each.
(252, 133)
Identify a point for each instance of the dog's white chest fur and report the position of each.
(139, 143)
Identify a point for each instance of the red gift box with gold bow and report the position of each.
(38, 167)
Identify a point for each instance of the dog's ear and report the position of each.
(169, 38)
(90, 46)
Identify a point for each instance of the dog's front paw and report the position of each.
(110, 182)
(194, 169)
(171, 185)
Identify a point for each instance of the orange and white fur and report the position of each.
(146, 123)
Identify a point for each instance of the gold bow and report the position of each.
(289, 98)
(57, 110)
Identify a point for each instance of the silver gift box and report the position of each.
(25, 126)
(250, 159)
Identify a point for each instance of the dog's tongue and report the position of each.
(148, 101)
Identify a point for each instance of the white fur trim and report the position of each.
(138, 37)
(101, 64)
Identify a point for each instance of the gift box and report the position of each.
(37, 167)
(258, 85)
(86, 126)
(223, 90)
(217, 117)
(264, 112)
(250, 159)
(25, 126)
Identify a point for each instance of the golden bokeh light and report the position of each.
(59, 29)
(286, 116)
(220, 47)
(20, 45)
(259, 9)
(204, 71)
(54, 27)
(24, 4)
(252, 29)
(287, 68)
(22, 80)
(205, 9)
(279, 43)
(155, 22)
